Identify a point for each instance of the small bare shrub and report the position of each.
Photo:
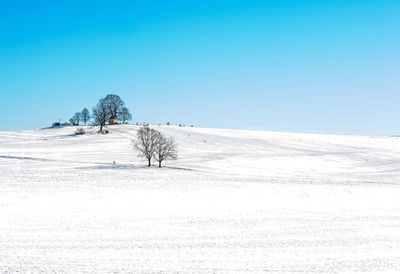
(79, 131)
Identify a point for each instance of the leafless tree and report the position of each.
(101, 114)
(145, 143)
(75, 120)
(165, 148)
(85, 115)
(125, 115)
(77, 117)
(114, 105)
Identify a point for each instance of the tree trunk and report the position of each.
(101, 127)
(159, 163)
(149, 162)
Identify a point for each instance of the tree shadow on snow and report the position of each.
(111, 166)
(178, 168)
(130, 167)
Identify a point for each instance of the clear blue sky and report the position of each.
(326, 66)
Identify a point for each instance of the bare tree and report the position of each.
(77, 117)
(85, 115)
(145, 142)
(101, 114)
(165, 148)
(75, 120)
(125, 115)
(114, 104)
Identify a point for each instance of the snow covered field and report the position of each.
(234, 202)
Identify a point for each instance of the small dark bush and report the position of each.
(79, 131)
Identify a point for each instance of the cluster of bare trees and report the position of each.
(83, 116)
(151, 143)
(110, 109)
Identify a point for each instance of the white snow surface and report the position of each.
(234, 202)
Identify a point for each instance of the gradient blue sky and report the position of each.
(326, 66)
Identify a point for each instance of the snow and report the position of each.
(234, 202)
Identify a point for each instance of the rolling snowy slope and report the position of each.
(234, 202)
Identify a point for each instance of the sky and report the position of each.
(327, 66)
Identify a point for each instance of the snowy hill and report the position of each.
(234, 201)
